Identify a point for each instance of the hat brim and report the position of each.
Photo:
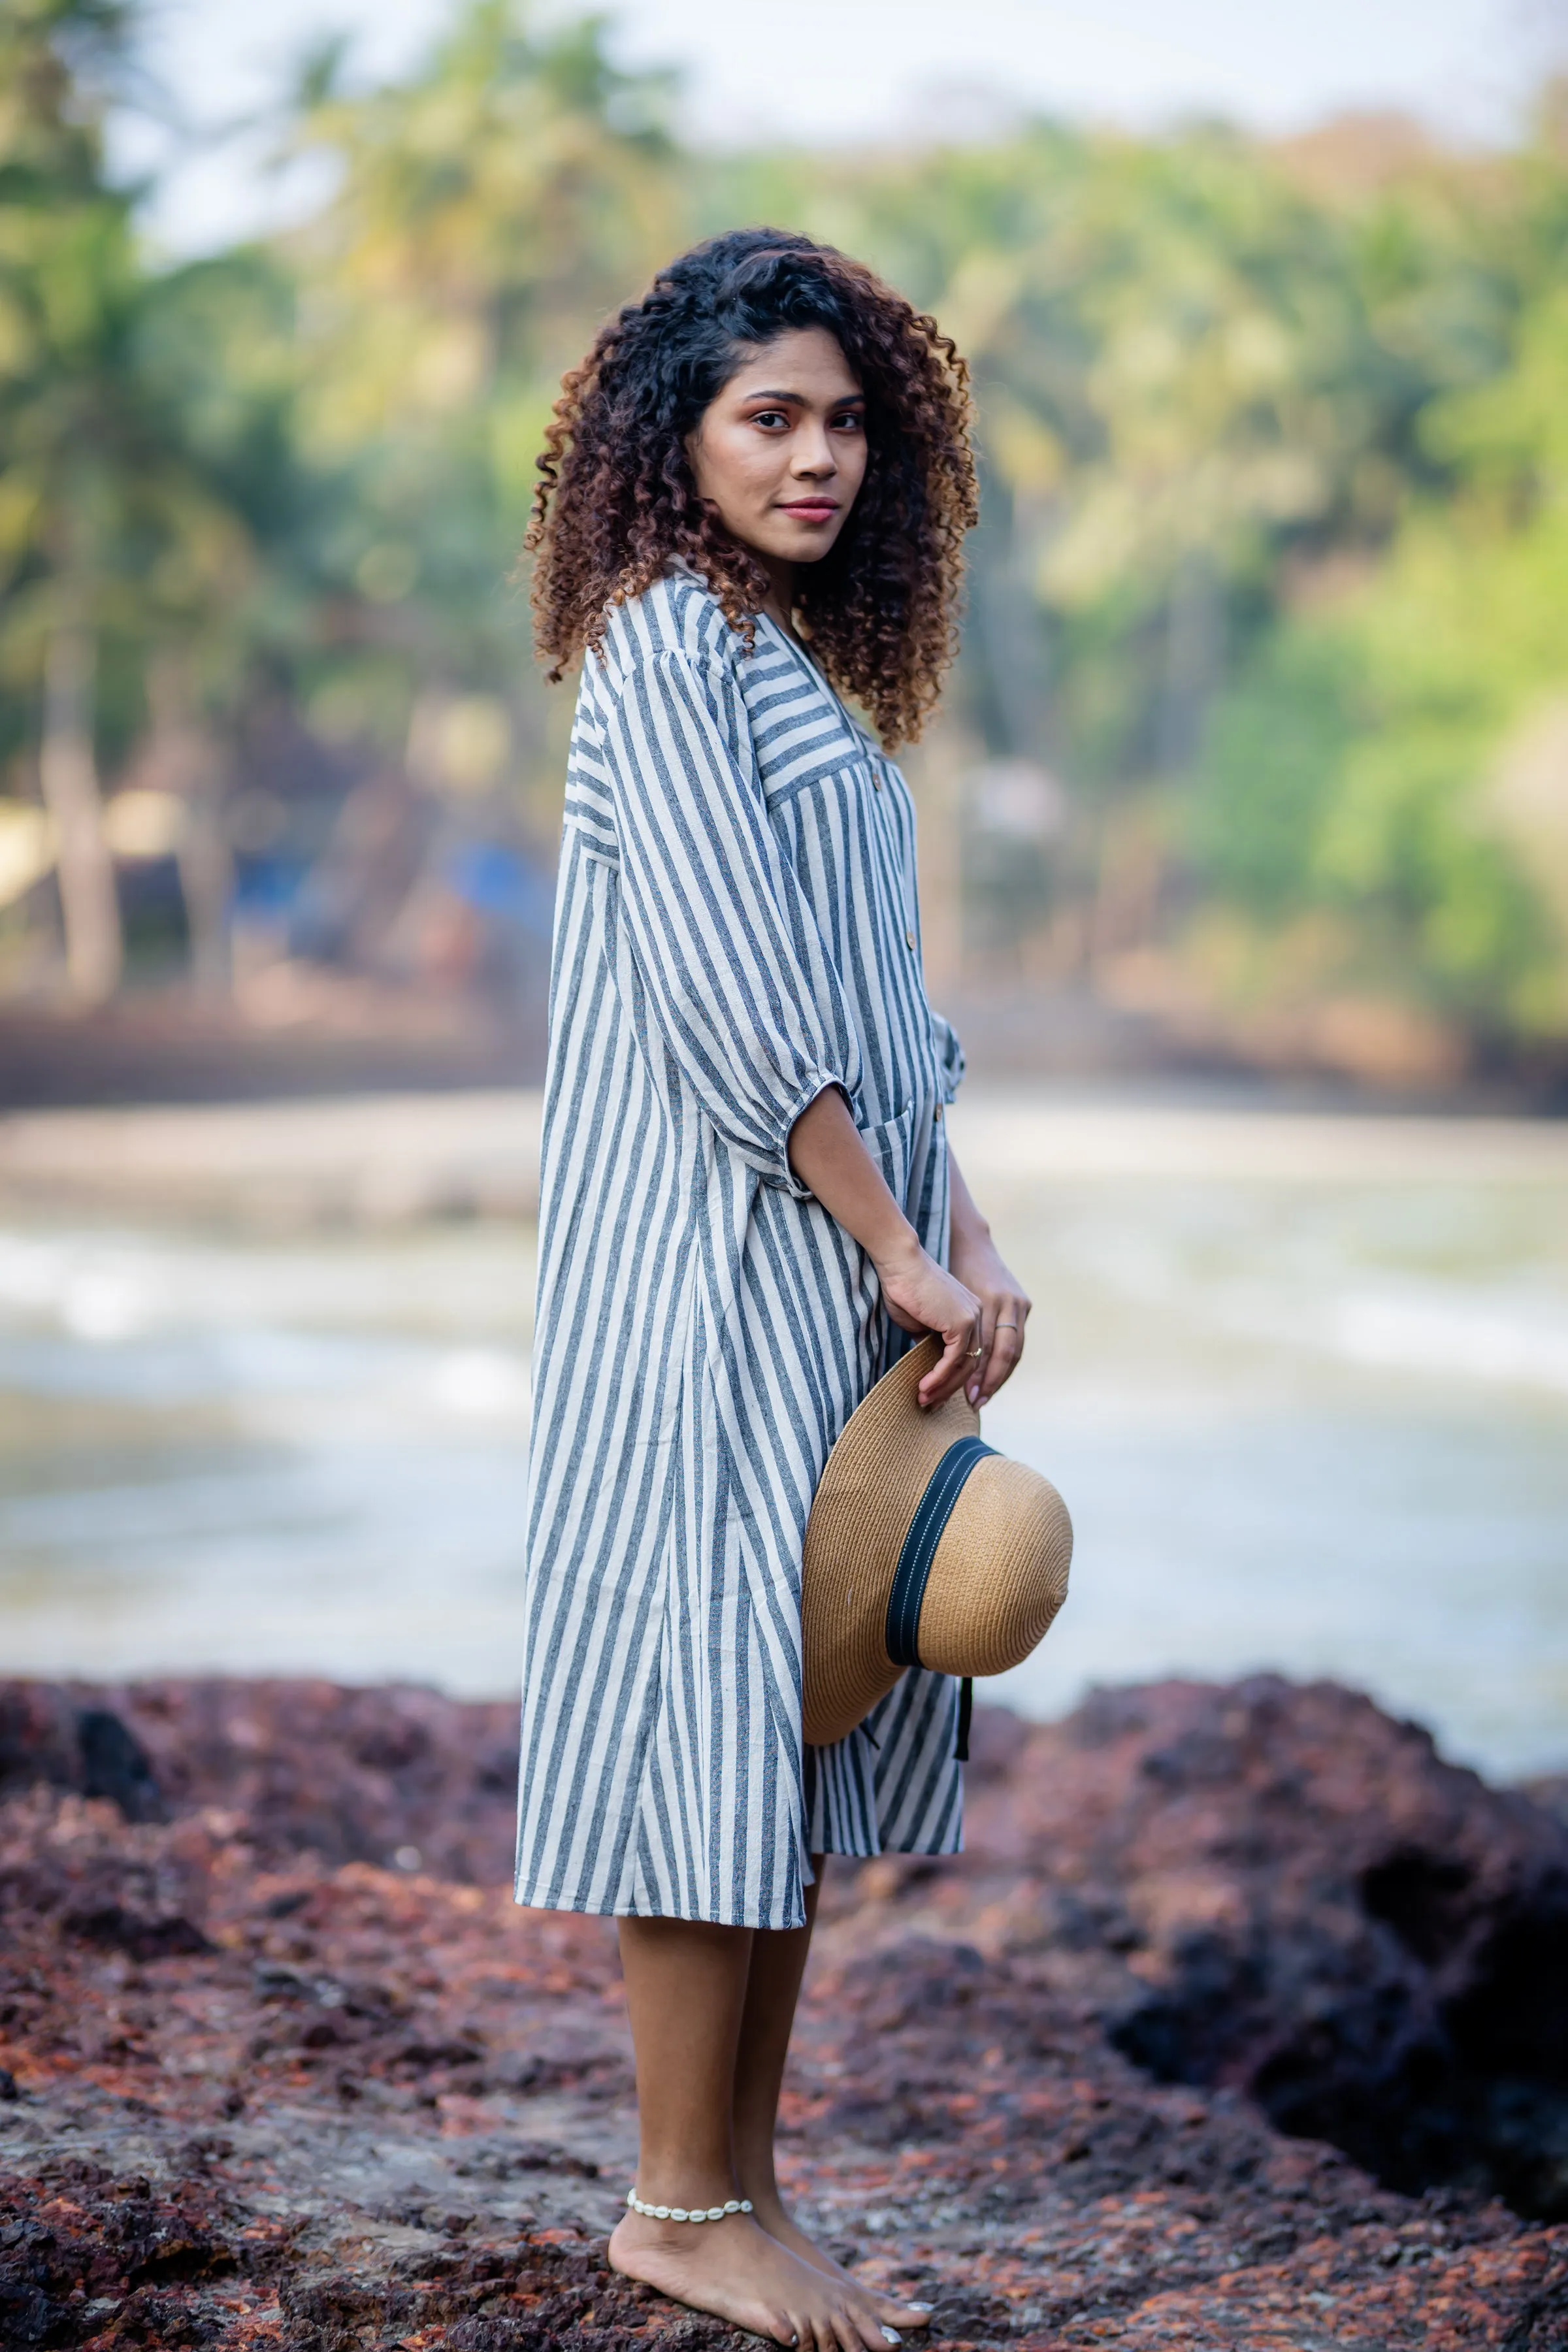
(874, 1477)
(992, 1584)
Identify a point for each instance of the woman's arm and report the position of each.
(1005, 1303)
(827, 1154)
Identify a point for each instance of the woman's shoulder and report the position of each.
(677, 615)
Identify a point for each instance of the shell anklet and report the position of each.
(683, 2213)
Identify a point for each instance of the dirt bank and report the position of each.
(285, 2066)
(388, 1160)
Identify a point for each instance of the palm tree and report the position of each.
(66, 275)
(113, 524)
(490, 210)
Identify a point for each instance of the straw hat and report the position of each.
(923, 1548)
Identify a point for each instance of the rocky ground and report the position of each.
(283, 2065)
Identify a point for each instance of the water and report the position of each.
(1321, 1427)
(1304, 1384)
(263, 1457)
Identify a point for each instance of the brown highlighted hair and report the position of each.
(617, 500)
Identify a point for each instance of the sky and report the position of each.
(833, 70)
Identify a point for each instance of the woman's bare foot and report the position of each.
(888, 2309)
(742, 2274)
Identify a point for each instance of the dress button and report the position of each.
(876, 783)
(937, 1114)
(909, 938)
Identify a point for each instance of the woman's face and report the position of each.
(782, 451)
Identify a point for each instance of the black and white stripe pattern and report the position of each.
(736, 928)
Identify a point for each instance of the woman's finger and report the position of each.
(976, 1369)
(956, 1362)
(1004, 1314)
(946, 1377)
(1001, 1356)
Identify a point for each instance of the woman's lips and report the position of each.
(811, 510)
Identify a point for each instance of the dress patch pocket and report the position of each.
(892, 1146)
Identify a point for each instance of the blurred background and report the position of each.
(1244, 830)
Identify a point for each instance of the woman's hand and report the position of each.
(920, 1296)
(826, 1152)
(1003, 1302)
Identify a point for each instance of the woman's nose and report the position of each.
(814, 453)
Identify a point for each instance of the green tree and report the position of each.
(106, 527)
(489, 211)
(67, 284)
(1362, 761)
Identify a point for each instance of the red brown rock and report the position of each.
(269, 2088)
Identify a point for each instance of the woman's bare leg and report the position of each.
(686, 1995)
(772, 1989)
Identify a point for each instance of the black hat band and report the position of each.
(935, 1509)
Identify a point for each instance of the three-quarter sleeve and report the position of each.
(736, 980)
(950, 1063)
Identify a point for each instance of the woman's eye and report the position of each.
(770, 417)
(850, 421)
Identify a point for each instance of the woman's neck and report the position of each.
(779, 602)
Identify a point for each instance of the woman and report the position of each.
(754, 494)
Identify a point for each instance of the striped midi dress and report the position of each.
(736, 930)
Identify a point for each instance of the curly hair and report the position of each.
(616, 498)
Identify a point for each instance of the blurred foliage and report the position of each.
(102, 511)
(1273, 573)
(1361, 760)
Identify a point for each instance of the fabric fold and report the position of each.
(725, 942)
